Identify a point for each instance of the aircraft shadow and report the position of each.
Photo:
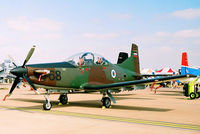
(131, 98)
(90, 104)
(175, 94)
(181, 94)
(123, 94)
(170, 91)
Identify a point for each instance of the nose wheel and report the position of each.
(47, 103)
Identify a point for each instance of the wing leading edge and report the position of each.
(135, 82)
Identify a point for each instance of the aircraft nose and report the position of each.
(18, 71)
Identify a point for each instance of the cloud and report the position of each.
(165, 47)
(191, 36)
(101, 36)
(190, 33)
(34, 29)
(24, 24)
(162, 34)
(159, 57)
(121, 16)
(3, 40)
(44, 36)
(187, 13)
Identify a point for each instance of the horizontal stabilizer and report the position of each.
(188, 70)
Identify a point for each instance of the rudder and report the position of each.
(135, 55)
(184, 61)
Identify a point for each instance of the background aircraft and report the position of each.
(5, 68)
(185, 69)
(191, 84)
(85, 71)
(1, 74)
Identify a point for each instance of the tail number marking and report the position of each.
(54, 75)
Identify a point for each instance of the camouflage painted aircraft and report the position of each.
(88, 72)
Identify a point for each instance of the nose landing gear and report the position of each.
(47, 103)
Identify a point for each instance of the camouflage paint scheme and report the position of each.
(65, 75)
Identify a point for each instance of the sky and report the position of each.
(61, 28)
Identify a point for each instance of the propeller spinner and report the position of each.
(21, 71)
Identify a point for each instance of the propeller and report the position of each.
(12, 60)
(21, 71)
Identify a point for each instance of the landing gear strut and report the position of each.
(106, 101)
(47, 103)
(63, 99)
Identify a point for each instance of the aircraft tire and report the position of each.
(63, 99)
(106, 102)
(197, 95)
(46, 105)
(192, 96)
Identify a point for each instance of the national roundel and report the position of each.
(113, 73)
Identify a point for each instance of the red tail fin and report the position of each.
(184, 59)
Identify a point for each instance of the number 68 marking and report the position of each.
(54, 75)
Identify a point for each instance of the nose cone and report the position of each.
(18, 71)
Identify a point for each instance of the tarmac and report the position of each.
(140, 112)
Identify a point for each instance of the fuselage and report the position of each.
(64, 74)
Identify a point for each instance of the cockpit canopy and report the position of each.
(87, 59)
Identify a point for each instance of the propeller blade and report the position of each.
(12, 60)
(14, 85)
(30, 83)
(12, 88)
(29, 55)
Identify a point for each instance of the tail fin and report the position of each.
(184, 63)
(132, 63)
(184, 59)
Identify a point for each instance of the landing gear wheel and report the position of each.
(192, 96)
(63, 99)
(47, 105)
(106, 102)
(197, 95)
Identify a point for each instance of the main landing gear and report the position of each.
(106, 101)
(63, 99)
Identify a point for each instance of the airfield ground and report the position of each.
(140, 112)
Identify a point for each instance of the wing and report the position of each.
(1, 70)
(155, 75)
(136, 82)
